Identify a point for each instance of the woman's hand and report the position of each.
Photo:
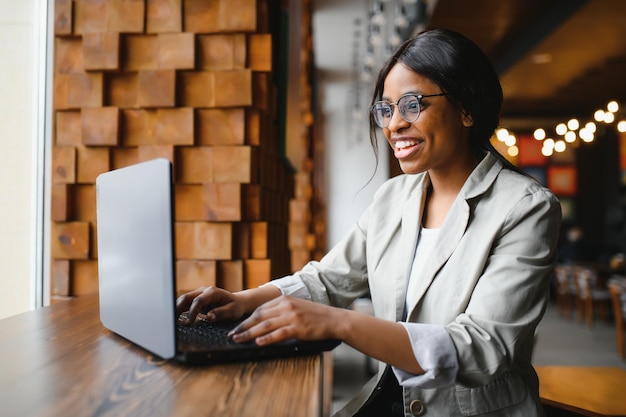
(286, 318)
(218, 304)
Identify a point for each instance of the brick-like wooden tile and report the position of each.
(61, 202)
(238, 15)
(138, 127)
(127, 16)
(163, 16)
(91, 16)
(68, 55)
(140, 53)
(175, 126)
(201, 16)
(84, 202)
(123, 157)
(257, 272)
(204, 240)
(60, 277)
(68, 128)
(221, 126)
(91, 162)
(177, 51)
(300, 211)
(235, 88)
(222, 201)
(260, 52)
(221, 52)
(189, 202)
(70, 240)
(63, 165)
(197, 89)
(192, 274)
(230, 275)
(62, 17)
(100, 126)
(195, 165)
(84, 277)
(101, 51)
(148, 152)
(121, 90)
(84, 90)
(157, 88)
(234, 164)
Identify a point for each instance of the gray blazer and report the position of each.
(488, 282)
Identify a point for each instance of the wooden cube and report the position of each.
(84, 90)
(222, 201)
(138, 127)
(164, 16)
(221, 52)
(60, 277)
(91, 162)
(84, 202)
(68, 55)
(197, 89)
(202, 240)
(175, 126)
(260, 52)
(157, 88)
(189, 200)
(127, 16)
(195, 165)
(62, 17)
(234, 164)
(84, 277)
(257, 272)
(192, 274)
(123, 157)
(148, 152)
(68, 128)
(237, 15)
(100, 126)
(122, 89)
(221, 126)
(230, 275)
(235, 88)
(101, 51)
(61, 202)
(253, 202)
(299, 211)
(201, 16)
(91, 16)
(63, 165)
(259, 240)
(140, 53)
(177, 51)
(70, 240)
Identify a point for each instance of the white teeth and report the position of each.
(405, 143)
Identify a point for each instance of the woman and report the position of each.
(456, 254)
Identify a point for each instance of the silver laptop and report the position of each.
(136, 273)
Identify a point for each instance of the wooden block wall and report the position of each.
(187, 80)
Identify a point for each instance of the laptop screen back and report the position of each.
(135, 255)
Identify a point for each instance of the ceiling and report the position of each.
(556, 59)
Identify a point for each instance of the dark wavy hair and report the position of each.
(462, 70)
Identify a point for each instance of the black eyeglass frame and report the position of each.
(403, 112)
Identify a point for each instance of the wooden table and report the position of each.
(587, 391)
(60, 361)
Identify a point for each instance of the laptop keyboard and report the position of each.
(205, 334)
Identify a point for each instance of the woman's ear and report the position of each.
(468, 121)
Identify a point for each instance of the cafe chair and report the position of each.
(617, 288)
(592, 297)
(565, 290)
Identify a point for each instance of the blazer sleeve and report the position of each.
(511, 294)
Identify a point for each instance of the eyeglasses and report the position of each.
(409, 106)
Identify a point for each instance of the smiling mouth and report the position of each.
(401, 144)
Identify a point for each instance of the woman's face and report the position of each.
(438, 139)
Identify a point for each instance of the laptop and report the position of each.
(136, 273)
